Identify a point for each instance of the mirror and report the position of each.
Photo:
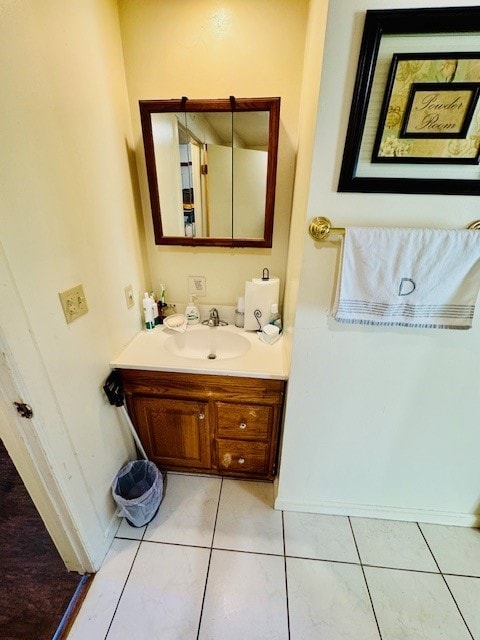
(211, 170)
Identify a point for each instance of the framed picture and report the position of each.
(414, 123)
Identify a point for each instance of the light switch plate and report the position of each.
(74, 303)
(197, 286)
(129, 296)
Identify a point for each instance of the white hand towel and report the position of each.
(409, 277)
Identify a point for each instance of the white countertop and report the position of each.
(147, 351)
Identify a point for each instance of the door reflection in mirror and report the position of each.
(211, 170)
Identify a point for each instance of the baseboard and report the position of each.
(112, 527)
(382, 512)
(108, 536)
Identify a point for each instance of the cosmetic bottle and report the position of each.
(148, 319)
(156, 313)
(192, 312)
(240, 313)
(161, 304)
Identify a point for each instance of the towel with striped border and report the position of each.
(409, 277)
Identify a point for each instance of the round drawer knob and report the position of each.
(241, 461)
(243, 425)
(201, 416)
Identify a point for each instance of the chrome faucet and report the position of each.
(214, 319)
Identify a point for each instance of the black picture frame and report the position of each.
(359, 172)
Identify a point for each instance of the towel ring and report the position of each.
(320, 228)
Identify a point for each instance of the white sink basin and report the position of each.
(207, 343)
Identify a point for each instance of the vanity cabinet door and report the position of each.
(174, 432)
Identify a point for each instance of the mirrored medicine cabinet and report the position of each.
(211, 170)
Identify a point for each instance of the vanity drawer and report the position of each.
(240, 456)
(243, 421)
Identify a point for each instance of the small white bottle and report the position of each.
(149, 320)
(275, 317)
(156, 314)
(192, 312)
(240, 313)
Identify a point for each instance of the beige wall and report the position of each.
(314, 45)
(380, 421)
(206, 49)
(67, 215)
(70, 209)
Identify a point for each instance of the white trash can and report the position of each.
(138, 491)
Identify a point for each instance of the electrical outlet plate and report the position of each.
(197, 286)
(129, 296)
(74, 303)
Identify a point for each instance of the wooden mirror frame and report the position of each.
(272, 105)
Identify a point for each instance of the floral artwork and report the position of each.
(431, 111)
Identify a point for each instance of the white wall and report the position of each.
(206, 49)
(220, 190)
(68, 216)
(379, 421)
(249, 191)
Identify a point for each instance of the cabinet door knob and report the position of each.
(201, 416)
(243, 425)
(241, 461)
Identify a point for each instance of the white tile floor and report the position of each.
(218, 563)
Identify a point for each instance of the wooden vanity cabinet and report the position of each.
(200, 423)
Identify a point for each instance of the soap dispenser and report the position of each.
(192, 312)
(148, 318)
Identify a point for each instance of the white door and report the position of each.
(20, 435)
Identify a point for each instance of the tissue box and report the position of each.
(269, 333)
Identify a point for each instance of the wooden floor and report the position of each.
(35, 587)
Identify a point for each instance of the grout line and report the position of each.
(446, 583)
(176, 544)
(204, 593)
(216, 513)
(286, 577)
(123, 589)
(354, 564)
(254, 553)
(381, 566)
(456, 604)
(365, 578)
(428, 547)
(209, 559)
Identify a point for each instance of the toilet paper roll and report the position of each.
(259, 297)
